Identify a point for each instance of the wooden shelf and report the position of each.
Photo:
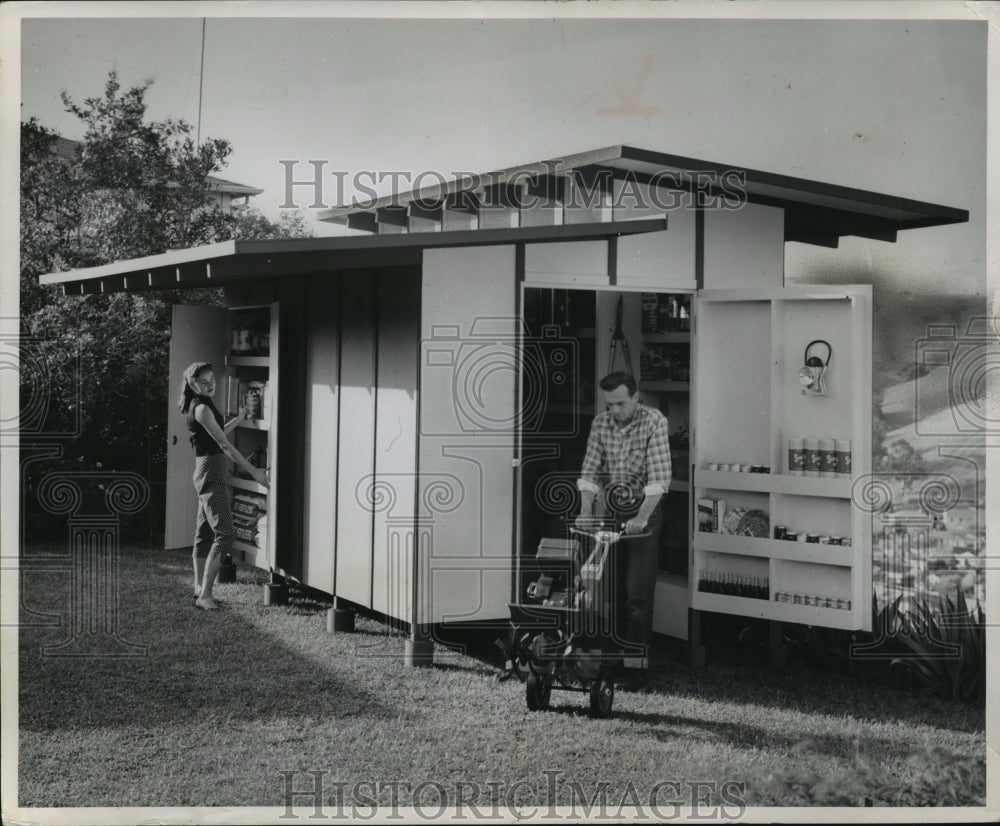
(246, 484)
(724, 604)
(781, 611)
(254, 424)
(250, 553)
(570, 408)
(665, 386)
(834, 488)
(836, 555)
(674, 580)
(248, 361)
(666, 338)
(246, 547)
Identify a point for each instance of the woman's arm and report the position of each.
(205, 418)
(241, 414)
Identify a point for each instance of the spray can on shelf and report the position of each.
(796, 457)
(843, 452)
(813, 460)
(827, 458)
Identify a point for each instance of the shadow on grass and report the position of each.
(800, 688)
(667, 728)
(814, 692)
(199, 666)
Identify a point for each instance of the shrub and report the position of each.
(948, 647)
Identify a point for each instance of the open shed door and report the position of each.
(748, 402)
(197, 333)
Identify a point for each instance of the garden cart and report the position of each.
(563, 627)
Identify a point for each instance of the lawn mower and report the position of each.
(562, 630)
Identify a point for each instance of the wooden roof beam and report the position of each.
(424, 216)
(542, 203)
(500, 206)
(460, 212)
(589, 195)
(390, 220)
(362, 220)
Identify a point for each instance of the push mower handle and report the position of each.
(618, 535)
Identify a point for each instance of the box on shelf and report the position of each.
(664, 313)
(249, 505)
(250, 334)
(741, 521)
(711, 513)
(251, 393)
(245, 529)
(664, 362)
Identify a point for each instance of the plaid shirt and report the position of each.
(628, 462)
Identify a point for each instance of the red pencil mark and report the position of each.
(629, 103)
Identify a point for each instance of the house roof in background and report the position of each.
(217, 184)
(69, 150)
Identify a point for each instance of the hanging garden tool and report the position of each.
(812, 375)
(618, 339)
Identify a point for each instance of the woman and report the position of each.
(214, 530)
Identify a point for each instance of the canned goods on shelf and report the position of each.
(843, 453)
(813, 461)
(780, 531)
(796, 457)
(824, 540)
(812, 538)
(827, 458)
(791, 536)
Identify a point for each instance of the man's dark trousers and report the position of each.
(637, 567)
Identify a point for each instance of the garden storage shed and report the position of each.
(423, 390)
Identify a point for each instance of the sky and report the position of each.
(891, 106)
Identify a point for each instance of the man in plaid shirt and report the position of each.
(625, 472)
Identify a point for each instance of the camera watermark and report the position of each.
(553, 795)
(44, 374)
(951, 375)
(494, 363)
(545, 185)
(917, 515)
(93, 504)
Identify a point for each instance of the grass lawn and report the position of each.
(221, 704)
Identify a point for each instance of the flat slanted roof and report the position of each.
(456, 213)
(815, 212)
(234, 262)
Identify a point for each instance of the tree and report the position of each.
(901, 457)
(147, 188)
(137, 188)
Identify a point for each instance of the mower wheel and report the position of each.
(602, 695)
(538, 689)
